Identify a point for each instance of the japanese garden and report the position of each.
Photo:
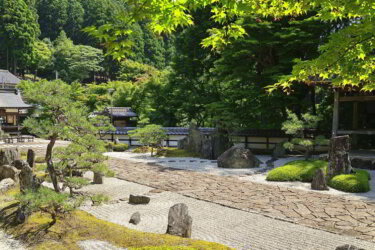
(187, 124)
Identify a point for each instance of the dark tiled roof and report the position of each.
(8, 78)
(120, 112)
(168, 130)
(11, 98)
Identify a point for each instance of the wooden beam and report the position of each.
(357, 98)
(335, 121)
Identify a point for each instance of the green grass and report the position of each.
(351, 183)
(301, 170)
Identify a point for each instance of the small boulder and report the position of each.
(135, 218)
(278, 151)
(98, 178)
(139, 199)
(8, 156)
(11, 172)
(238, 157)
(31, 157)
(179, 221)
(319, 181)
(348, 247)
(6, 184)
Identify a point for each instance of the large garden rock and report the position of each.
(139, 199)
(11, 172)
(319, 181)
(179, 221)
(8, 156)
(6, 184)
(31, 157)
(278, 151)
(27, 180)
(135, 218)
(339, 161)
(238, 157)
(348, 247)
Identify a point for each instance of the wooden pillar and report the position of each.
(355, 124)
(335, 121)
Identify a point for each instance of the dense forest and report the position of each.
(168, 79)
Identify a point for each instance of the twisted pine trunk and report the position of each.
(50, 168)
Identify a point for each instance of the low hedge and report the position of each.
(351, 183)
(301, 170)
(110, 146)
(40, 160)
(120, 147)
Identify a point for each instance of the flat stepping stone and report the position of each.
(171, 161)
(203, 161)
(192, 160)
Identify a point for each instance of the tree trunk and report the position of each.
(50, 167)
(339, 161)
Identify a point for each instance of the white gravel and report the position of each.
(212, 222)
(7, 243)
(197, 164)
(255, 175)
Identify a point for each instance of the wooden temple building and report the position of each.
(13, 110)
(121, 116)
(354, 115)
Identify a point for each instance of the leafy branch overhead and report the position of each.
(346, 59)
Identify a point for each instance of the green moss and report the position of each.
(351, 183)
(77, 226)
(301, 170)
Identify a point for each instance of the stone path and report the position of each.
(212, 222)
(327, 212)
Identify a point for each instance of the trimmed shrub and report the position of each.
(120, 147)
(142, 149)
(40, 159)
(363, 172)
(351, 183)
(301, 170)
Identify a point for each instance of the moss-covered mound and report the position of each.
(301, 170)
(351, 183)
(77, 226)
